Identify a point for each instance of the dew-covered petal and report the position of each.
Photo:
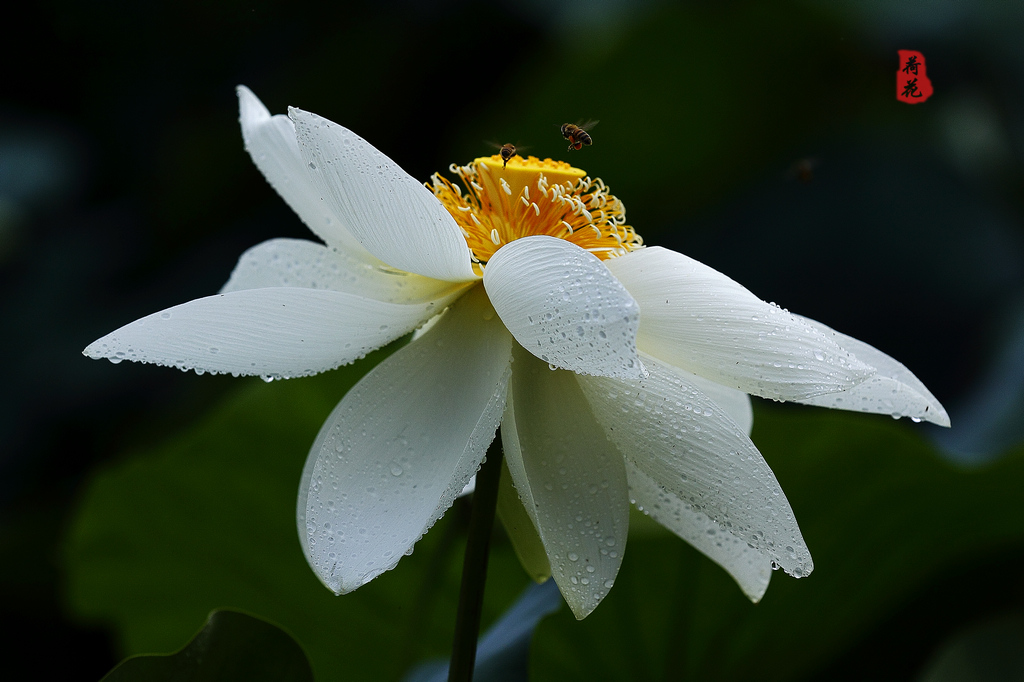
(894, 390)
(736, 403)
(696, 318)
(278, 332)
(306, 264)
(395, 217)
(748, 567)
(514, 457)
(270, 140)
(521, 530)
(574, 476)
(564, 306)
(686, 444)
(402, 444)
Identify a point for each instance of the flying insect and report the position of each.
(507, 151)
(577, 135)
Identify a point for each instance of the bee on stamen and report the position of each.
(577, 135)
(507, 151)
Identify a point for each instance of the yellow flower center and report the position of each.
(502, 203)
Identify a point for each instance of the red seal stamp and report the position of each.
(912, 83)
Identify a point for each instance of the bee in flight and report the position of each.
(577, 135)
(507, 151)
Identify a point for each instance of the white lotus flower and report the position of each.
(616, 372)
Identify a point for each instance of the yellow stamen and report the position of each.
(533, 197)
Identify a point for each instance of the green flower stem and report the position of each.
(474, 566)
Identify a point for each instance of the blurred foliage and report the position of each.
(989, 651)
(232, 646)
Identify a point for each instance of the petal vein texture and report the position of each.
(893, 390)
(696, 318)
(305, 264)
(573, 476)
(565, 307)
(275, 332)
(395, 217)
(270, 141)
(520, 524)
(686, 444)
(736, 403)
(751, 569)
(402, 444)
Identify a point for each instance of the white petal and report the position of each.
(893, 390)
(280, 332)
(270, 140)
(521, 530)
(538, 567)
(469, 488)
(306, 264)
(686, 444)
(562, 462)
(748, 567)
(735, 403)
(402, 444)
(395, 217)
(514, 457)
(564, 306)
(696, 318)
